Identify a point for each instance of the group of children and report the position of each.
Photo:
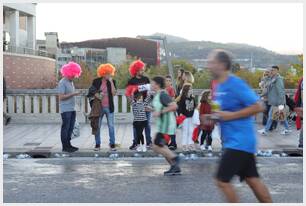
(188, 111)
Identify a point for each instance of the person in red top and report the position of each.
(205, 108)
(298, 100)
(169, 88)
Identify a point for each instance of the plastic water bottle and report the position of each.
(193, 156)
(65, 155)
(209, 154)
(6, 156)
(181, 155)
(284, 154)
(136, 155)
(276, 155)
(57, 155)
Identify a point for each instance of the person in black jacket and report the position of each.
(104, 88)
(6, 118)
(186, 107)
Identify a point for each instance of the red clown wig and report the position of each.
(105, 69)
(135, 67)
(71, 70)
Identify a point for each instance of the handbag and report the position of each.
(76, 130)
(280, 114)
(196, 117)
(216, 132)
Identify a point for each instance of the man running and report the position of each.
(238, 103)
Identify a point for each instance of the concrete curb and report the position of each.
(125, 153)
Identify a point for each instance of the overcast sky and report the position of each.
(275, 26)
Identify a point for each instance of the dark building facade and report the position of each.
(147, 50)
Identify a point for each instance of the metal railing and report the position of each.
(29, 51)
(45, 101)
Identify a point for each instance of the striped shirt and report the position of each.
(138, 108)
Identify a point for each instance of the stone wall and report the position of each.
(29, 72)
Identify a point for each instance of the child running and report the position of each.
(140, 119)
(164, 108)
(205, 108)
(186, 107)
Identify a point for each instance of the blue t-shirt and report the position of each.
(233, 95)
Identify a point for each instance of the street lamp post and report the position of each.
(168, 58)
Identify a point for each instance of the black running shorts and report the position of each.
(235, 162)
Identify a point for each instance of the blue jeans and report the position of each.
(147, 130)
(68, 120)
(110, 124)
(269, 121)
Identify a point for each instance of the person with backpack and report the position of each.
(164, 108)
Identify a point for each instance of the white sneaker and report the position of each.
(285, 132)
(139, 148)
(144, 148)
(262, 132)
(209, 148)
(202, 147)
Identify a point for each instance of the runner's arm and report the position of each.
(246, 112)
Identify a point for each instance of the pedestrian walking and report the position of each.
(277, 100)
(205, 109)
(67, 95)
(140, 81)
(264, 85)
(186, 107)
(238, 103)
(104, 89)
(164, 108)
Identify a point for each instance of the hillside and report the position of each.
(192, 50)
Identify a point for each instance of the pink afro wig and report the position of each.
(105, 69)
(135, 67)
(71, 69)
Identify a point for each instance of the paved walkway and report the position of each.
(26, 137)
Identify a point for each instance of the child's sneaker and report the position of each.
(185, 149)
(144, 148)
(285, 132)
(209, 148)
(139, 148)
(202, 147)
(262, 132)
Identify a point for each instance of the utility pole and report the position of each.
(168, 58)
(169, 62)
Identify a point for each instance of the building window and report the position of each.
(23, 22)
